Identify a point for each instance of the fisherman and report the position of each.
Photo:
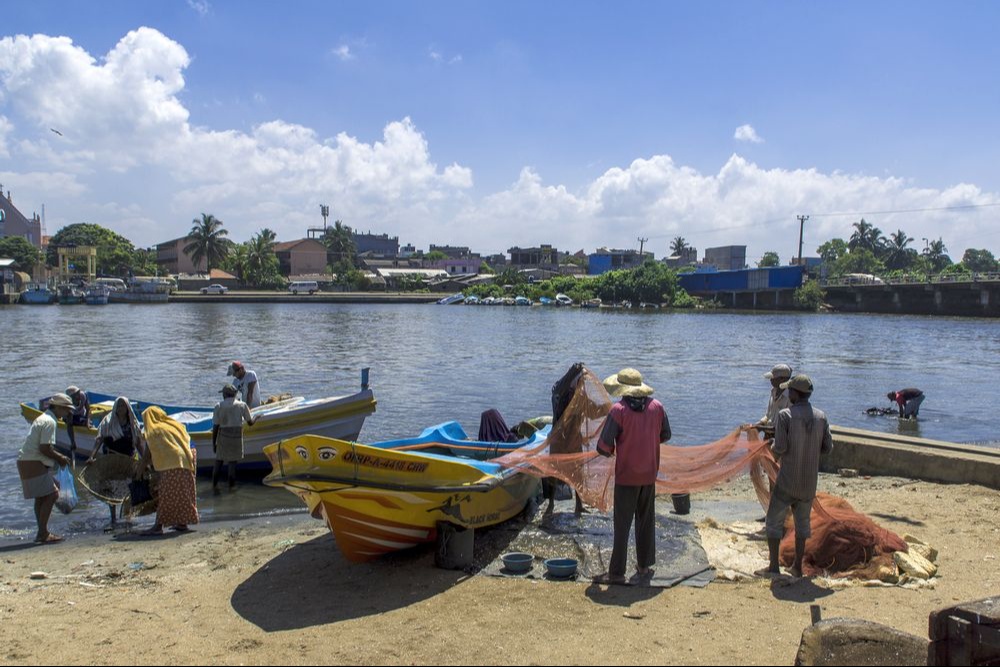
(779, 397)
(35, 462)
(908, 400)
(801, 435)
(227, 434)
(632, 433)
(80, 415)
(245, 381)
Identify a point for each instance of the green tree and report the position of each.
(833, 250)
(144, 262)
(978, 261)
(435, 256)
(860, 260)
(510, 276)
(868, 237)
(678, 245)
(769, 259)
(115, 253)
(208, 242)
(937, 255)
(486, 268)
(897, 255)
(20, 249)
(236, 261)
(262, 266)
(339, 242)
(652, 282)
(810, 296)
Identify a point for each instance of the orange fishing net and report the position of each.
(843, 540)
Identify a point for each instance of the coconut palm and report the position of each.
(261, 263)
(897, 254)
(937, 254)
(208, 241)
(867, 236)
(339, 242)
(678, 245)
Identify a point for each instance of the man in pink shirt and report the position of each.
(632, 433)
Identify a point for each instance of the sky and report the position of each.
(498, 124)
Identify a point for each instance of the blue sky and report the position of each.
(494, 124)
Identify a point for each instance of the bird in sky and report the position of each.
(56, 131)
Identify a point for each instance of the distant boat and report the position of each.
(522, 301)
(97, 295)
(70, 295)
(488, 301)
(646, 304)
(563, 300)
(453, 299)
(546, 301)
(144, 290)
(472, 300)
(591, 303)
(38, 295)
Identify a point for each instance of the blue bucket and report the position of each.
(561, 568)
(517, 562)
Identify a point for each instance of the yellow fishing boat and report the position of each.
(381, 498)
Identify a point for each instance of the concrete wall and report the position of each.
(976, 299)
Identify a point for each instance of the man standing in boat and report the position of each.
(227, 434)
(632, 433)
(801, 436)
(245, 381)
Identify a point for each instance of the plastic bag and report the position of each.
(68, 499)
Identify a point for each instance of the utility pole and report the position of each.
(642, 242)
(802, 223)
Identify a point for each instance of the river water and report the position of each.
(433, 363)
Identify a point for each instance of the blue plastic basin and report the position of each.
(561, 567)
(517, 562)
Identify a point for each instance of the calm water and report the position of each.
(433, 363)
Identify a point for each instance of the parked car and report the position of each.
(214, 289)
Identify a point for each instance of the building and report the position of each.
(172, 260)
(407, 251)
(604, 260)
(686, 257)
(393, 277)
(727, 258)
(497, 262)
(381, 245)
(453, 252)
(543, 257)
(466, 266)
(301, 257)
(14, 223)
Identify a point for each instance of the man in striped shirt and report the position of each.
(801, 436)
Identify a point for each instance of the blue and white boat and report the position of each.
(451, 300)
(450, 438)
(522, 301)
(38, 295)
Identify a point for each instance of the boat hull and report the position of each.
(337, 417)
(377, 501)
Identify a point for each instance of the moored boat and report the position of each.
(97, 295)
(388, 496)
(563, 300)
(451, 300)
(38, 295)
(335, 416)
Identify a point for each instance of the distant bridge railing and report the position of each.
(914, 279)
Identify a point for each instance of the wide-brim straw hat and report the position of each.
(61, 400)
(627, 382)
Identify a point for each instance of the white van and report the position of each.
(310, 286)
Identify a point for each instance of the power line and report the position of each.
(905, 210)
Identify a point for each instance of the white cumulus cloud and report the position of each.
(344, 53)
(747, 133)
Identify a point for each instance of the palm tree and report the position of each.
(678, 245)
(867, 236)
(237, 261)
(937, 254)
(898, 256)
(208, 241)
(261, 262)
(339, 241)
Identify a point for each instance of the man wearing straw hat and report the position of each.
(779, 397)
(632, 433)
(801, 436)
(35, 462)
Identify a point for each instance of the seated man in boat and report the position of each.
(227, 434)
(245, 381)
(908, 400)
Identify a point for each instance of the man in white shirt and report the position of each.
(36, 460)
(245, 381)
(227, 434)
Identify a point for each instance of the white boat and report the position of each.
(451, 300)
(472, 300)
(334, 417)
(97, 295)
(522, 301)
(563, 300)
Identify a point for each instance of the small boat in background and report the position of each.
(70, 295)
(591, 303)
(451, 300)
(563, 300)
(522, 301)
(546, 301)
(97, 295)
(472, 300)
(38, 295)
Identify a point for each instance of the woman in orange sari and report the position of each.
(168, 448)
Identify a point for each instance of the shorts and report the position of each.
(777, 511)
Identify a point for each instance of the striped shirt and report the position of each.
(801, 435)
(778, 402)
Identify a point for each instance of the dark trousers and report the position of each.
(634, 502)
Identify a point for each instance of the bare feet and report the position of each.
(607, 578)
(48, 538)
(155, 530)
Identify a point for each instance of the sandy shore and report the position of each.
(278, 591)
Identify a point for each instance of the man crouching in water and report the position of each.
(801, 435)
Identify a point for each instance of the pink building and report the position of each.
(171, 259)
